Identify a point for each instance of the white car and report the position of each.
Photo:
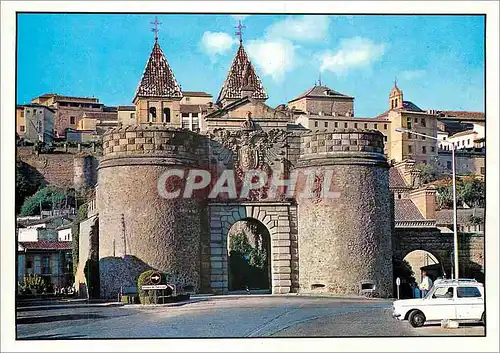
(460, 300)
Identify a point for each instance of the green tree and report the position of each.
(429, 172)
(24, 186)
(470, 190)
(48, 196)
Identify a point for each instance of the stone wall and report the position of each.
(345, 242)
(470, 247)
(139, 229)
(65, 169)
(84, 250)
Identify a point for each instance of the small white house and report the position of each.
(64, 233)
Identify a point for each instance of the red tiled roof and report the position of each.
(396, 180)
(47, 245)
(406, 210)
(101, 115)
(463, 133)
(193, 108)
(158, 79)
(241, 74)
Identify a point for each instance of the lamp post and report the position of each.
(454, 190)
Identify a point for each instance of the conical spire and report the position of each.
(241, 76)
(158, 79)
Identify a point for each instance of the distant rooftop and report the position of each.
(196, 94)
(320, 92)
(461, 115)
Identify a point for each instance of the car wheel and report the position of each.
(483, 318)
(417, 318)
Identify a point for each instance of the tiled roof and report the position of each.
(196, 94)
(101, 115)
(319, 92)
(126, 108)
(407, 105)
(462, 115)
(193, 108)
(396, 180)
(46, 245)
(241, 75)
(36, 105)
(158, 79)
(463, 133)
(445, 217)
(406, 210)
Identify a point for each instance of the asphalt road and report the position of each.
(226, 317)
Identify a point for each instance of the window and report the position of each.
(433, 149)
(396, 102)
(132, 116)
(195, 122)
(385, 126)
(444, 138)
(29, 264)
(366, 126)
(315, 124)
(443, 292)
(72, 120)
(188, 99)
(336, 124)
(424, 149)
(326, 123)
(399, 196)
(410, 149)
(416, 121)
(423, 137)
(448, 165)
(39, 126)
(345, 125)
(166, 115)
(45, 265)
(468, 292)
(21, 128)
(375, 126)
(483, 170)
(468, 141)
(27, 111)
(408, 123)
(355, 125)
(185, 121)
(22, 113)
(152, 114)
(422, 122)
(385, 138)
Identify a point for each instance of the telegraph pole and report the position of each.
(124, 237)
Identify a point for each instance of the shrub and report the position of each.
(145, 297)
(34, 284)
(46, 197)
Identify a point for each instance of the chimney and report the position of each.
(425, 200)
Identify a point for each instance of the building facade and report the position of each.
(38, 123)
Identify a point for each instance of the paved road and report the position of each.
(239, 316)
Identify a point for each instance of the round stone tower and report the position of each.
(345, 236)
(138, 228)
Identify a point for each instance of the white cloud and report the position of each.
(216, 43)
(272, 57)
(412, 74)
(300, 28)
(353, 53)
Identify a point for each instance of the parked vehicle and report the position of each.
(460, 300)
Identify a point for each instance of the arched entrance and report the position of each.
(420, 261)
(249, 256)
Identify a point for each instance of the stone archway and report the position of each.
(423, 260)
(249, 256)
(280, 219)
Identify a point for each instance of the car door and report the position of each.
(469, 303)
(440, 304)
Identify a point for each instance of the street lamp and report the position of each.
(454, 188)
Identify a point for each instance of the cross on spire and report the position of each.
(155, 29)
(395, 81)
(239, 32)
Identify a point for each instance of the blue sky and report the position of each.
(438, 60)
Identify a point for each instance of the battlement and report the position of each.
(152, 141)
(341, 144)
